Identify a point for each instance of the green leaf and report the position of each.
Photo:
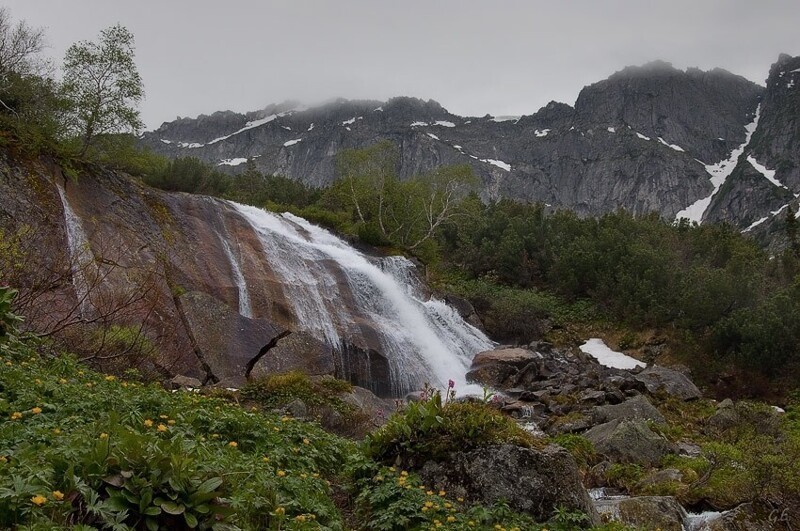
(173, 508)
(210, 485)
(152, 511)
(191, 520)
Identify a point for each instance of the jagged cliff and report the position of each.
(642, 140)
(221, 290)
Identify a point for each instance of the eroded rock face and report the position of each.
(299, 351)
(210, 284)
(533, 481)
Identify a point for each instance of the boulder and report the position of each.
(659, 379)
(638, 407)
(645, 512)
(495, 367)
(185, 382)
(745, 517)
(530, 480)
(629, 441)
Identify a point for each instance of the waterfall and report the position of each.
(80, 253)
(334, 290)
(245, 308)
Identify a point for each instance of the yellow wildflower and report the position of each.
(265, 459)
(58, 495)
(429, 493)
(3, 459)
(16, 415)
(280, 511)
(104, 435)
(110, 378)
(62, 381)
(38, 500)
(460, 499)
(148, 423)
(306, 441)
(451, 519)
(233, 444)
(428, 504)
(442, 493)
(300, 518)
(280, 473)
(404, 473)
(37, 381)
(161, 428)
(163, 416)
(36, 410)
(56, 431)
(9, 363)
(171, 422)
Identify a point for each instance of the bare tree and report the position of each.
(20, 46)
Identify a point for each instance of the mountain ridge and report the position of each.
(642, 140)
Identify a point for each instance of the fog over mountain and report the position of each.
(473, 57)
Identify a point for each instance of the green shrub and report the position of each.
(430, 429)
(580, 447)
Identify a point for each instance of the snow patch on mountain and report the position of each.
(643, 137)
(499, 163)
(292, 142)
(541, 133)
(768, 174)
(672, 146)
(232, 162)
(444, 123)
(719, 172)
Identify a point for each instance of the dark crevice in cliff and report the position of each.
(263, 352)
(210, 377)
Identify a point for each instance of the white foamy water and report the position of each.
(79, 251)
(245, 308)
(336, 292)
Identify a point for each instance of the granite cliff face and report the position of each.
(222, 291)
(641, 140)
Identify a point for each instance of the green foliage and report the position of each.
(103, 84)
(431, 428)
(389, 500)
(8, 319)
(386, 210)
(580, 447)
(280, 389)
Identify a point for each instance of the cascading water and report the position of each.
(245, 307)
(79, 251)
(423, 340)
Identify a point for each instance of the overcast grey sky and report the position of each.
(474, 57)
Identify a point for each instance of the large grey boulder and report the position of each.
(629, 441)
(659, 379)
(638, 407)
(645, 512)
(534, 481)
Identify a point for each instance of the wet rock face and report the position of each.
(206, 286)
(531, 480)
